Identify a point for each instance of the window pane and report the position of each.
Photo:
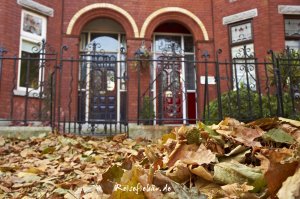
(32, 24)
(188, 44)
(293, 44)
(167, 43)
(244, 66)
(29, 75)
(107, 42)
(83, 40)
(123, 43)
(292, 27)
(241, 33)
(189, 72)
(245, 51)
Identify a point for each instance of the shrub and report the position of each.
(147, 112)
(247, 105)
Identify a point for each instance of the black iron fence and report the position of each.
(102, 93)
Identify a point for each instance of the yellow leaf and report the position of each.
(201, 172)
(165, 137)
(34, 170)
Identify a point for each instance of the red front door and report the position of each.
(169, 90)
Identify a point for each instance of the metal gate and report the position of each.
(98, 99)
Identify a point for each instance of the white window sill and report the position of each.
(31, 93)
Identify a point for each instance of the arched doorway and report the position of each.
(102, 82)
(174, 73)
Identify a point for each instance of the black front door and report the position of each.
(103, 88)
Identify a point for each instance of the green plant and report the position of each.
(147, 111)
(142, 56)
(247, 105)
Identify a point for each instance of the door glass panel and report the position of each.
(165, 43)
(110, 80)
(190, 72)
(108, 42)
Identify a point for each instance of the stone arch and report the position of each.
(175, 14)
(107, 10)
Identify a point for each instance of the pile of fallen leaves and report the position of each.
(229, 160)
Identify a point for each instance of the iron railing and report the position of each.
(93, 93)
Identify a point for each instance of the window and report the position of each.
(292, 32)
(33, 31)
(242, 54)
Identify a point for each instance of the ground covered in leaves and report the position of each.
(229, 160)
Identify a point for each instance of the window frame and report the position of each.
(241, 44)
(43, 26)
(291, 38)
(35, 39)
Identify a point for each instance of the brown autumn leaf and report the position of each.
(210, 189)
(199, 157)
(180, 151)
(154, 192)
(163, 182)
(119, 138)
(238, 191)
(5, 189)
(28, 152)
(229, 122)
(264, 123)
(71, 184)
(179, 172)
(277, 164)
(170, 145)
(247, 135)
(180, 132)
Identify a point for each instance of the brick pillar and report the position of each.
(204, 47)
(133, 82)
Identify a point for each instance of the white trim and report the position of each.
(107, 6)
(31, 93)
(182, 82)
(118, 86)
(240, 16)
(289, 9)
(40, 8)
(173, 9)
(40, 78)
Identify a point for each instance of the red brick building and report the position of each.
(192, 28)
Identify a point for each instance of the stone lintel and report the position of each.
(289, 9)
(240, 16)
(35, 6)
